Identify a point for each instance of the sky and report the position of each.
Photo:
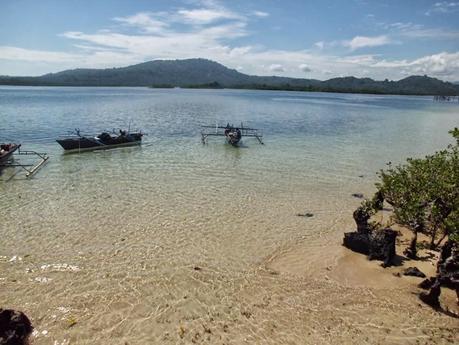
(306, 39)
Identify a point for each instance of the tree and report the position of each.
(425, 194)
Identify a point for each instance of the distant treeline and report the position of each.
(206, 74)
(288, 87)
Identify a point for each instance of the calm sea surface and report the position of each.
(113, 236)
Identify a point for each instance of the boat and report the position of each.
(31, 167)
(6, 152)
(232, 134)
(105, 140)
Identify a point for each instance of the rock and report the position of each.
(361, 217)
(427, 283)
(358, 195)
(447, 274)
(382, 246)
(378, 245)
(448, 266)
(378, 201)
(432, 298)
(15, 327)
(307, 215)
(357, 241)
(414, 272)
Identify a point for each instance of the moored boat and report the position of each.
(233, 135)
(6, 152)
(105, 140)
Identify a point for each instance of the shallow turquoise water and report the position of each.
(328, 137)
(150, 213)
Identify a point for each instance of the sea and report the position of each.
(145, 243)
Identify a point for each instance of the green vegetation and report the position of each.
(424, 194)
(201, 73)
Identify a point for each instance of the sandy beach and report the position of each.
(313, 292)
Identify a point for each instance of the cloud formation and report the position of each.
(276, 68)
(260, 14)
(305, 68)
(443, 7)
(212, 31)
(364, 41)
(415, 31)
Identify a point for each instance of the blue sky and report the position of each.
(308, 39)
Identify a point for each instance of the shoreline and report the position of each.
(163, 87)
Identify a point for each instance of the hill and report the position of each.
(202, 73)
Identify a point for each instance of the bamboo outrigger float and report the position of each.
(10, 151)
(232, 134)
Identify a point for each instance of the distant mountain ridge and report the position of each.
(202, 73)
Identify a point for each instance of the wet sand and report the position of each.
(371, 304)
(313, 291)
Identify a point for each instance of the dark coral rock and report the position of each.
(382, 246)
(357, 242)
(15, 327)
(414, 272)
(378, 245)
(361, 217)
(307, 215)
(427, 283)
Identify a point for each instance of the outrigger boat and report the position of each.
(232, 134)
(7, 153)
(78, 142)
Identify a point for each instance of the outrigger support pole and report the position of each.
(259, 139)
(35, 167)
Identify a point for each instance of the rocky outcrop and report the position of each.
(382, 246)
(361, 217)
(357, 241)
(447, 274)
(378, 245)
(414, 272)
(427, 283)
(15, 327)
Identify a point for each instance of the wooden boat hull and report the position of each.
(233, 140)
(233, 136)
(7, 151)
(102, 142)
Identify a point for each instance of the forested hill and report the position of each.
(201, 73)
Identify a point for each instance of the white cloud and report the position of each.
(320, 44)
(305, 68)
(415, 31)
(364, 41)
(443, 7)
(207, 15)
(260, 14)
(144, 21)
(360, 59)
(276, 68)
(440, 65)
(210, 34)
(95, 59)
(436, 33)
(14, 53)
